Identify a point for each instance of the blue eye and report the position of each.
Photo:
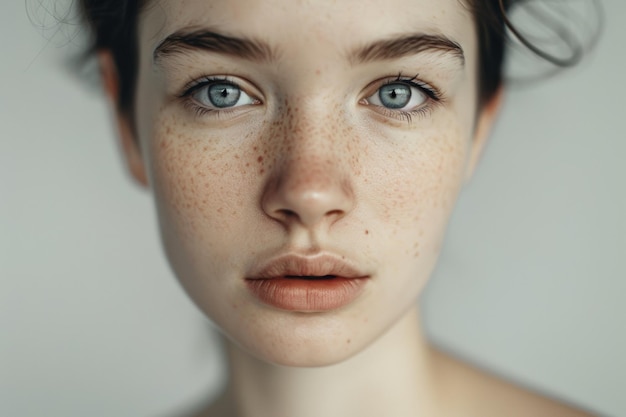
(223, 95)
(398, 96)
(214, 94)
(394, 96)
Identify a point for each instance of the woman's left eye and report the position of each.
(400, 96)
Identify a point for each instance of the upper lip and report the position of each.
(294, 265)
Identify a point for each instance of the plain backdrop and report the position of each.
(531, 283)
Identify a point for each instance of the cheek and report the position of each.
(415, 194)
(418, 183)
(202, 188)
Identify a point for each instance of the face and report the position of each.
(284, 139)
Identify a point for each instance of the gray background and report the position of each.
(92, 323)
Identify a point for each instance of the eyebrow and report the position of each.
(405, 45)
(186, 40)
(257, 50)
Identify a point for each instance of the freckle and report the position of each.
(260, 159)
(348, 341)
(367, 232)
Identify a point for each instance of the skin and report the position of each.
(313, 165)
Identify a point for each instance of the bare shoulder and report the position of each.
(468, 391)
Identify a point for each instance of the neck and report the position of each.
(393, 376)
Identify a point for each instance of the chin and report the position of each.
(303, 340)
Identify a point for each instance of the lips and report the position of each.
(307, 284)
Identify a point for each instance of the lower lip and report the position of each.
(307, 295)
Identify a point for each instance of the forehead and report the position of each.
(291, 24)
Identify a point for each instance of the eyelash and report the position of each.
(434, 97)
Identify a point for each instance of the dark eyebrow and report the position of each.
(406, 45)
(189, 40)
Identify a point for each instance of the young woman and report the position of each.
(304, 157)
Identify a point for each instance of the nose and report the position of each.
(310, 186)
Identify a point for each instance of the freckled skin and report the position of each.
(308, 169)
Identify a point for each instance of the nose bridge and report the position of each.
(312, 153)
(310, 184)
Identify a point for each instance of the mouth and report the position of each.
(307, 284)
(310, 277)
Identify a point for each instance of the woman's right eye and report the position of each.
(219, 95)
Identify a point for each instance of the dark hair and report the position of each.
(114, 27)
(113, 24)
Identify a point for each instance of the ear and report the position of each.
(484, 123)
(128, 141)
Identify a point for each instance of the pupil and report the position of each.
(394, 96)
(224, 95)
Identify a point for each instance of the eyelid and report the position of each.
(204, 80)
(427, 88)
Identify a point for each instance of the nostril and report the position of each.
(287, 214)
(292, 215)
(335, 213)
